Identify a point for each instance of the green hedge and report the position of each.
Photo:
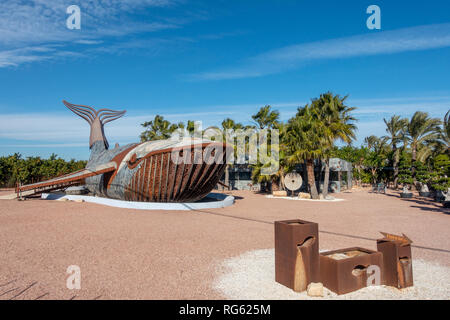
(14, 168)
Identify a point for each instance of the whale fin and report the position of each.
(96, 120)
(73, 178)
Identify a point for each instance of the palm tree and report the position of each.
(395, 128)
(371, 141)
(229, 124)
(304, 142)
(275, 178)
(188, 128)
(421, 130)
(445, 133)
(433, 148)
(266, 118)
(258, 177)
(334, 114)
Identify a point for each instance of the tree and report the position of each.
(276, 178)
(3, 170)
(441, 174)
(423, 175)
(266, 118)
(304, 142)
(357, 156)
(444, 136)
(229, 124)
(335, 115)
(395, 127)
(371, 141)
(14, 169)
(420, 130)
(158, 129)
(190, 127)
(405, 175)
(375, 159)
(257, 176)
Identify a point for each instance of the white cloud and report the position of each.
(88, 42)
(16, 57)
(294, 56)
(45, 20)
(29, 24)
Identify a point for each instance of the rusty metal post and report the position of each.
(296, 253)
(397, 260)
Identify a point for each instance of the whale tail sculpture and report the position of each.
(96, 119)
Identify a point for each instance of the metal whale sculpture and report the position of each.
(178, 170)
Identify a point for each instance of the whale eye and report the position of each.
(133, 158)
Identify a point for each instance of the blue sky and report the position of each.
(208, 60)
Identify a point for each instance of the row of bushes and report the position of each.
(15, 169)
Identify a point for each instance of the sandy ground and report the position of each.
(133, 254)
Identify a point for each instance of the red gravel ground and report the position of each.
(133, 254)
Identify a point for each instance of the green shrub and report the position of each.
(14, 169)
(405, 170)
(440, 175)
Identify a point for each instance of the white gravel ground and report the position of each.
(251, 276)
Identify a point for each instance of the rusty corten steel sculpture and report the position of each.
(183, 170)
(296, 253)
(298, 261)
(397, 260)
(345, 270)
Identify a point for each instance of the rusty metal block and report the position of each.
(397, 260)
(296, 253)
(345, 270)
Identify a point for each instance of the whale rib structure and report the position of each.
(183, 170)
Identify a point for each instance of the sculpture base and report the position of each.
(211, 201)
